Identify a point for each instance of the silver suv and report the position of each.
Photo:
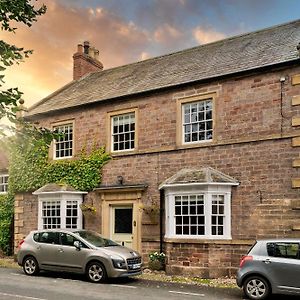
(78, 251)
(271, 266)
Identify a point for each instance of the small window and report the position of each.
(286, 250)
(123, 132)
(49, 238)
(51, 215)
(197, 121)
(63, 145)
(71, 214)
(205, 215)
(3, 183)
(60, 214)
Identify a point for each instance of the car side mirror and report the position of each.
(77, 245)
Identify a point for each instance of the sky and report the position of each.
(126, 31)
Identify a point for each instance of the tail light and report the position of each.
(245, 259)
(20, 244)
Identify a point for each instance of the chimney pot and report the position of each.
(86, 46)
(85, 60)
(96, 54)
(92, 52)
(79, 48)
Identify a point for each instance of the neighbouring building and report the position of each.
(3, 169)
(207, 138)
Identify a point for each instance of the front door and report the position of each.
(122, 225)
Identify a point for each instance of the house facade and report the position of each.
(3, 169)
(204, 145)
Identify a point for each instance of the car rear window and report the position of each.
(286, 250)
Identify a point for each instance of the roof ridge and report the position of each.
(200, 46)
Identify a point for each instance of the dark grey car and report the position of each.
(78, 251)
(270, 267)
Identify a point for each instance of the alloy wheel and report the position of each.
(256, 288)
(96, 272)
(30, 266)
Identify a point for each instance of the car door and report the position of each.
(46, 250)
(70, 258)
(284, 265)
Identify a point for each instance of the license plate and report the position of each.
(136, 266)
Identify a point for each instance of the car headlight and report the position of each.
(118, 262)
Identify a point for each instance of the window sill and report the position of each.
(62, 158)
(222, 241)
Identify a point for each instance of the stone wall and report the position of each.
(26, 216)
(254, 141)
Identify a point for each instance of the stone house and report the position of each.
(204, 145)
(3, 168)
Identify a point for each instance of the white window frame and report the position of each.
(197, 122)
(207, 190)
(63, 199)
(62, 141)
(3, 183)
(129, 132)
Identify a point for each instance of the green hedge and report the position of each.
(6, 217)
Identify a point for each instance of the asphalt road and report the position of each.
(14, 285)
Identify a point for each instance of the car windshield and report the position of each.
(95, 239)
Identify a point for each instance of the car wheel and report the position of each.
(256, 287)
(96, 272)
(30, 266)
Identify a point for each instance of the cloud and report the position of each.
(167, 34)
(145, 55)
(54, 38)
(204, 36)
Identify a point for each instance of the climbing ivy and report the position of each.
(30, 167)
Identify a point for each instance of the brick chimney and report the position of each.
(85, 60)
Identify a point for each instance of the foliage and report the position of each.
(155, 256)
(30, 167)
(6, 216)
(21, 11)
(88, 208)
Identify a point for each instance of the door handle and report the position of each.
(267, 261)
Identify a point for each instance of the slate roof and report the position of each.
(245, 52)
(206, 175)
(54, 188)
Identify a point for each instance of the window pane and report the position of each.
(123, 131)
(64, 143)
(197, 119)
(123, 220)
(51, 214)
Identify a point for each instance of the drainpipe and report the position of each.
(161, 200)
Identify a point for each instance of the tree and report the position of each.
(12, 12)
